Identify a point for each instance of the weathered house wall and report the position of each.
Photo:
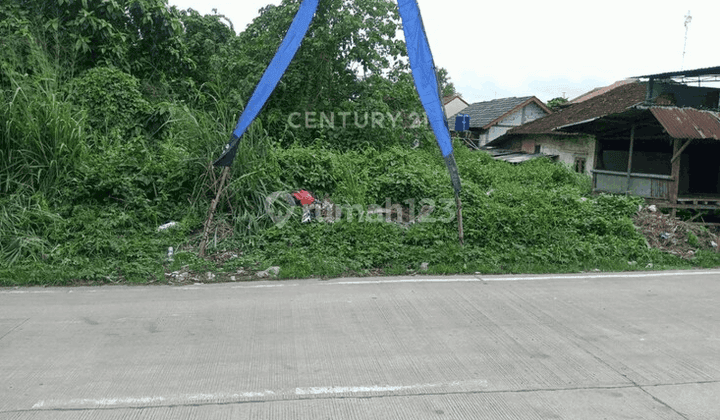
(528, 113)
(569, 149)
(453, 107)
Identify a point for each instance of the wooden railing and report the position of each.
(642, 185)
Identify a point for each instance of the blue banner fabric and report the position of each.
(423, 70)
(426, 83)
(271, 77)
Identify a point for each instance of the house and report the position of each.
(454, 104)
(572, 148)
(664, 149)
(491, 119)
(657, 137)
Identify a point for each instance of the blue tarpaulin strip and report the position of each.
(271, 77)
(426, 83)
(423, 70)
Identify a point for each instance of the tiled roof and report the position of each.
(600, 91)
(612, 102)
(485, 113)
(448, 99)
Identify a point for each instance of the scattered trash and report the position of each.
(424, 266)
(171, 254)
(652, 208)
(304, 197)
(632, 262)
(166, 226)
(179, 276)
(713, 244)
(649, 265)
(270, 272)
(233, 278)
(210, 275)
(671, 234)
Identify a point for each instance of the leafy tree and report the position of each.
(347, 63)
(139, 36)
(206, 38)
(556, 104)
(447, 88)
(346, 43)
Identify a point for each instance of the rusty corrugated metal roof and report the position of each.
(688, 123)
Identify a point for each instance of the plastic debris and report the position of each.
(167, 226)
(305, 197)
(270, 272)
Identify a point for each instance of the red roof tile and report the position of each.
(600, 91)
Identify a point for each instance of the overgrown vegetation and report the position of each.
(111, 113)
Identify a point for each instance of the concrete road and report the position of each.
(596, 346)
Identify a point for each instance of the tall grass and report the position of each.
(41, 134)
(204, 133)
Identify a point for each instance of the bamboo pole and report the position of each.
(211, 212)
(461, 233)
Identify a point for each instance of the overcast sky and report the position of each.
(548, 49)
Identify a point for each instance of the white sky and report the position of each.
(550, 48)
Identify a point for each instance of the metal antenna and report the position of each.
(688, 19)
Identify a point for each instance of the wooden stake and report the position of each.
(629, 167)
(461, 234)
(211, 212)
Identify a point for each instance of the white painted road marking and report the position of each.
(497, 278)
(526, 278)
(477, 278)
(224, 397)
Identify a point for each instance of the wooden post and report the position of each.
(677, 154)
(632, 147)
(461, 233)
(675, 186)
(595, 163)
(211, 212)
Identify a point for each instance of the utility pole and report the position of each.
(688, 19)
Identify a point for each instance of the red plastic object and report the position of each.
(304, 196)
